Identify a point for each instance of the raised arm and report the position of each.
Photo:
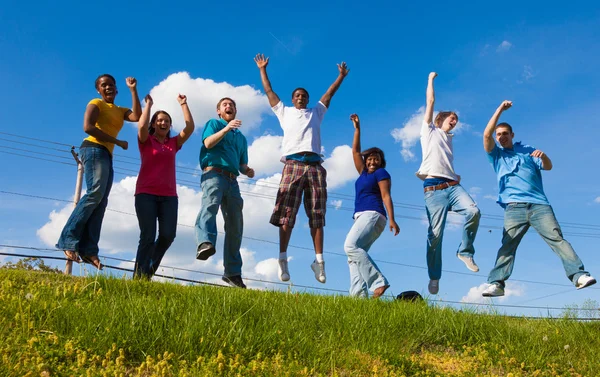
(359, 163)
(430, 99)
(143, 123)
(90, 118)
(188, 130)
(385, 187)
(262, 63)
(546, 162)
(488, 135)
(136, 108)
(343, 72)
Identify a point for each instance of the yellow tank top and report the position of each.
(110, 121)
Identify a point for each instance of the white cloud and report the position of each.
(504, 46)
(490, 197)
(526, 75)
(336, 203)
(340, 167)
(264, 155)
(597, 200)
(120, 231)
(474, 191)
(512, 289)
(409, 133)
(203, 95)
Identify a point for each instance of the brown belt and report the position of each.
(441, 186)
(220, 171)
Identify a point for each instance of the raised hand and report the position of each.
(236, 123)
(149, 100)
(505, 105)
(131, 82)
(537, 153)
(123, 144)
(355, 121)
(432, 75)
(343, 68)
(182, 99)
(261, 61)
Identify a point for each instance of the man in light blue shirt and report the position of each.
(521, 194)
(224, 154)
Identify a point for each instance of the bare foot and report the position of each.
(72, 255)
(380, 291)
(93, 260)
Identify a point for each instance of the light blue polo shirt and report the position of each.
(519, 175)
(229, 153)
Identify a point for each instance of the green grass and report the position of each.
(55, 325)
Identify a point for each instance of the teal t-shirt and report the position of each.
(229, 153)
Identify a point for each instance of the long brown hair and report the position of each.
(151, 129)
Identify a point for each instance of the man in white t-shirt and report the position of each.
(443, 193)
(301, 148)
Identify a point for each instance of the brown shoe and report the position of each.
(380, 291)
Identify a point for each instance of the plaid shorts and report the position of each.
(299, 177)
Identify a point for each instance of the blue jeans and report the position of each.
(82, 231)
(221, 191)
(518, 217)
(438, 203)
(151, 250)
(364, 273)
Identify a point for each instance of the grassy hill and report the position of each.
(56, 325)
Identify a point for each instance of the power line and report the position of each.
(32, 138)
(331, 195)
(303, 248)
(270, 282)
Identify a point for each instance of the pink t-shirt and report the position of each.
(157, 173)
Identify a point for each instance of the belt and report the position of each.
(220, 171)
(441, 186)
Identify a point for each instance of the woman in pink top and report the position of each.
(156, 189)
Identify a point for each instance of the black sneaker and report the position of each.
(234, 281)
(205, 251)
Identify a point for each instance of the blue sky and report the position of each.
(544, 59)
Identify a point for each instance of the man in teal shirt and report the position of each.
(223, 156)
(522, 196)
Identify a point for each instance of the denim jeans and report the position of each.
(518, 217)
(82, 231)
(364, 273)
(438, 203)
(151, 250)
(221, 191)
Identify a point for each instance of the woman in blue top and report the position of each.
(372, 195)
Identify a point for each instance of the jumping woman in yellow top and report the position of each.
(102, 122)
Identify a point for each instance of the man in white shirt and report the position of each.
(443, 193)
(301, 148)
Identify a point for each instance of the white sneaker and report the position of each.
(469, 262)
(494, 290)
(434, 287)
(284, 273)
(319, 270)
(585, 281)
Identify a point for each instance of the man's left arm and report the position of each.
(343, 72)
(244, 168)
(546, 162)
